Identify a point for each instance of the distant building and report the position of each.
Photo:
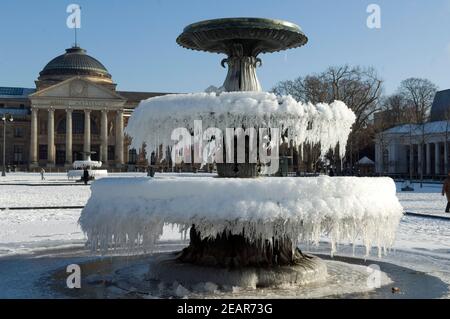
(365, 166)
(75, 107)
(417, 149)
(383, 119)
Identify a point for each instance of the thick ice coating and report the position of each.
(327, 125)
(87, 163)
(130, 213)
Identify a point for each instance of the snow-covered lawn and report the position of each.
(25, 231)
(425, 200)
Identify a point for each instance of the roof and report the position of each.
(75, 62)
(366, 161)
(139, 96)
(440, 110)
(7, 92)
(14, 112)
(417, 129)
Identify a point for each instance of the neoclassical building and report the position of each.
(75, 108)
(422, 150)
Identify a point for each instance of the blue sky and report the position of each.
(135, 40)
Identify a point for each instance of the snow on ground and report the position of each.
(424, 200)
(25, 231)
(38, 196)
(424, 234)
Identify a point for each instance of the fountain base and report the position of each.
(236, 251)
(229, 260)
(168, 268)
(243, 170)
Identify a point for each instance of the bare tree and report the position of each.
(419, 94)
(396, 112)
(360, 88)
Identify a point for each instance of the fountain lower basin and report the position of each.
(168, 268)
(131, 213)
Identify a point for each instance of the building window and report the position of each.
(132, 156)
(43, 127)
(18, 132)
(22, 106)
(77, 124)
(385, 161)
(111, 152)
(18, 154)
(43, 152)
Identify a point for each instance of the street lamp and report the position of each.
(5, 119)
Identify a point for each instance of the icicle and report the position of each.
(132, 212)
(323, 124)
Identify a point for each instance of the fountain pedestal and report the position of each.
(241, 170)
(242, 40)
(236, 251)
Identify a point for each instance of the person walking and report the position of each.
(85, 176)
(331, 172)
(446, 192)
(42, 174)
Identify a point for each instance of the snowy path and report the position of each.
(426, 200)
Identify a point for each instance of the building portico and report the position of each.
(72, 113)
(413, 149)
(74, 108)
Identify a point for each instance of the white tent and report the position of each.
(366, 161)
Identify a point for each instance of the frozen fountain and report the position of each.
(92, 166)
(242, 231)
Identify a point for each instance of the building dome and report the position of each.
(75, 62)
(440, 110)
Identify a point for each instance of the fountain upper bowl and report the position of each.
(260, 35)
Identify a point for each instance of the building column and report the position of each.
(437, 159)
(69, 159)
(411, 159)
(420, 159)
(34, 137)
(104, 138)
(428, 158)
(446, 157)
(87, 132)
(119, 138)
(378, 163)
(51, 138)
